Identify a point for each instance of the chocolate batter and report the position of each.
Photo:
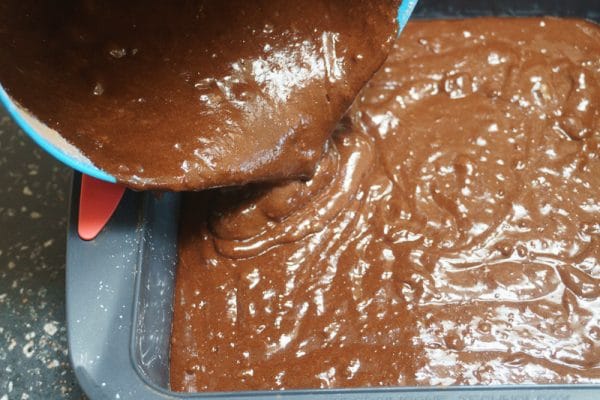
(450, 235)
(193, 94)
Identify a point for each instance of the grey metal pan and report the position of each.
(120, 286)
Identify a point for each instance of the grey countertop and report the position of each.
(34, 191)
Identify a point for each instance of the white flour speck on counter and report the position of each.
(50, 328)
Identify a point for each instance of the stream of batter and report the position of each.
(450, 235)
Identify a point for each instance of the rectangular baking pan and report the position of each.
(120, 285)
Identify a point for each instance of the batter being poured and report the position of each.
(198, 93)
(450, 235)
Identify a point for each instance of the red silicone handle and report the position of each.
(97, 203)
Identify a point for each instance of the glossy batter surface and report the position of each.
(193, 94)
(451, 233)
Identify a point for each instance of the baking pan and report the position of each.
(120, 285)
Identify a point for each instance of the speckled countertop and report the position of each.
(34, 191)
